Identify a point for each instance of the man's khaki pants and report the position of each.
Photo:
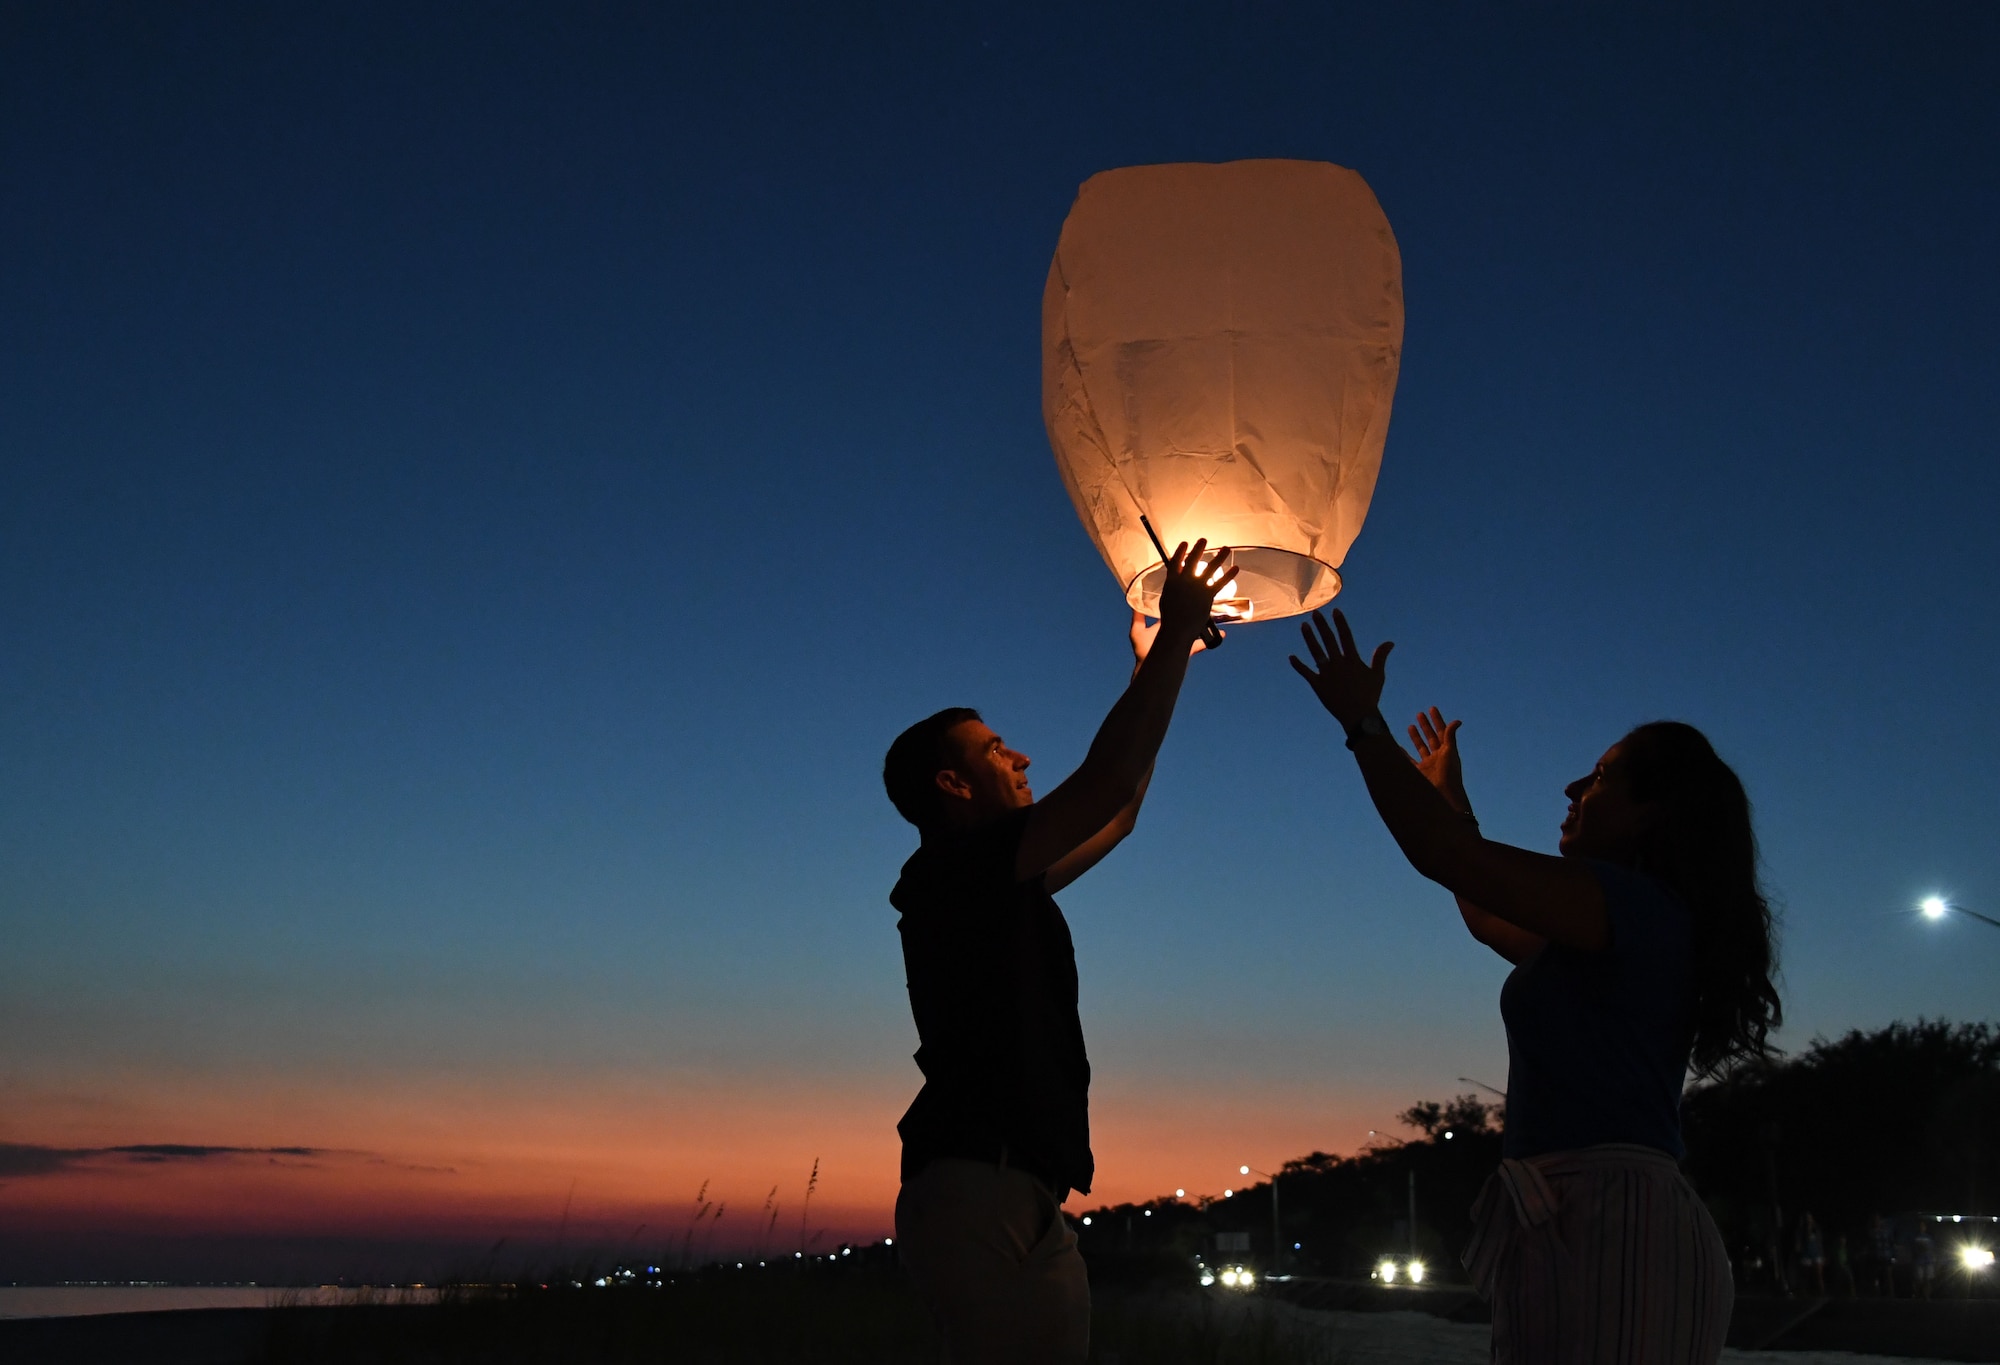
(988, 1247)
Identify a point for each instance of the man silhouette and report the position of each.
(1000, 1132)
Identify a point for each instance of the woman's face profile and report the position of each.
(1604, 819)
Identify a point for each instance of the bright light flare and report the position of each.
(1416, 1272)
(1245, 1278)
(1933, 907)
(1976, 1258)
(1229, 1278)
(1233, 603)
(1386, 1272)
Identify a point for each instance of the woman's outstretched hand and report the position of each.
(1436, 743)
(1349, 689)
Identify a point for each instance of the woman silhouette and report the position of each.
(1643, 950)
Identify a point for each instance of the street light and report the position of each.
(1489, 1089)
(1277, 1235)
(1937, 907)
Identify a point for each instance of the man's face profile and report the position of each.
(987, 779)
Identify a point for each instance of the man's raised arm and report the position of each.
(1129, 739)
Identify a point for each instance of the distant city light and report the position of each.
(1448, 1135)
(1086, 1220)
(1149, 1213)
(1934, 907)
(1180, 1194)
(1242, 1170)
(1229, 1194)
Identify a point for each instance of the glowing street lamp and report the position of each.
(1935, 908)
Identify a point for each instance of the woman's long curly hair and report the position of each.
(1704, 850)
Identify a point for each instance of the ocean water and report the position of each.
(80, 1300)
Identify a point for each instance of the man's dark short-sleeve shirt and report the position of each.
(992, 978)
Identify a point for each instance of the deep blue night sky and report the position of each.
(480, 486)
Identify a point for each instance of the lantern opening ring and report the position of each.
(1271, 582)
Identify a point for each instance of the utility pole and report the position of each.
(1413, 1213)
(1277, 1224)
(1277, 1230)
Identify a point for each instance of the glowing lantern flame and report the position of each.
(1220, 346)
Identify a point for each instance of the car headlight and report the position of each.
(1386, 1272)
(1416, 1272)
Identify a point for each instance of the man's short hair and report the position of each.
(919, 754)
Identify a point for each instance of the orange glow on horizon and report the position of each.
(508, 1159)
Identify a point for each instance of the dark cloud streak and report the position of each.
(169, 1151)
(17, 1159)
(24, 1159)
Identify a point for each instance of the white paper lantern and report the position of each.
(1219, 353)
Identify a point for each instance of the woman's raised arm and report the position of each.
(1436, 743)
(1546, 896)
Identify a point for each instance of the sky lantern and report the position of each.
(1219, 354)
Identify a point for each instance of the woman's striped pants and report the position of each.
(1599, 1256)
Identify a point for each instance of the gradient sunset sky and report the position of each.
(481, 485)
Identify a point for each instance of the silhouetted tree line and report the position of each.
(1899, 1120)
(1344, 1213)
(1902, 1120)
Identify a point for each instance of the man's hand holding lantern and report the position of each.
(1187, 599)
